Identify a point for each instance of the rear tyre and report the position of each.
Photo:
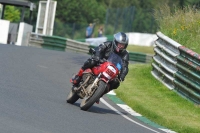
(87, 103)
(72, 97)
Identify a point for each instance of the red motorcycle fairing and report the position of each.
(108, 70)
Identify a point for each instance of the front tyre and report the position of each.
(72, 97)
(87, 103)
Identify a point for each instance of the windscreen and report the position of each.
(115, 60)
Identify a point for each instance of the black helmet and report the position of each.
(121, 38)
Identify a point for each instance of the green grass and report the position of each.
(142, 49)
(183, 26)
(147, 96)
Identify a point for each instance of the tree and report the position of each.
(79, 11)
(12, 14)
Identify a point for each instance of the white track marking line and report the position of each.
(126, 117)
(129, 110)
(167, 130)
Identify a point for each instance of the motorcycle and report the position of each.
(95, 81)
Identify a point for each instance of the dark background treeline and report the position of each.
(73, 16)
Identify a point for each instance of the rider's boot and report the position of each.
(77, 78)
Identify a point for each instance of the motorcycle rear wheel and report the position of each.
(88, 102)
(72, 97)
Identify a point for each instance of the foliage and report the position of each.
(182, 25)
(81, 12)
(194, 3)
(84, 11)
(12, 14)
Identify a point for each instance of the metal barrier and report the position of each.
(77, 46)
(57, 43)
(177, 67)
(140, 57)
(62, 44)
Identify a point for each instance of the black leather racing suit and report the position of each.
(103, 51)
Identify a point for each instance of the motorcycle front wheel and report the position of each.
(72, 97)
(88, 102)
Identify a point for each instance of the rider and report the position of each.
(118, 45)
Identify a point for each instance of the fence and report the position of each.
(177, 67)
(61, 44)
(126, 19)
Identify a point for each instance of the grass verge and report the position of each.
(142, 49)
(147, 96)
(181, 25)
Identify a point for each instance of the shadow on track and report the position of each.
(98, 110)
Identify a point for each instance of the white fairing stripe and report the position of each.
(106, 75)
(112, 69)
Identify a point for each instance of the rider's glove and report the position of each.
(121, 78)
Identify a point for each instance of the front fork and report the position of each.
(97, 80)
(83, 92)
(89, 92)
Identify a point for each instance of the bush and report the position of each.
(181, 25)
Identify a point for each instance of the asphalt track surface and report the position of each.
(34, 84)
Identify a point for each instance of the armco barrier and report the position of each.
(50, 41)
(187, 79)
(60, 43)
(77, 46)
(57, 43)
(177, 67)
(140, 57)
